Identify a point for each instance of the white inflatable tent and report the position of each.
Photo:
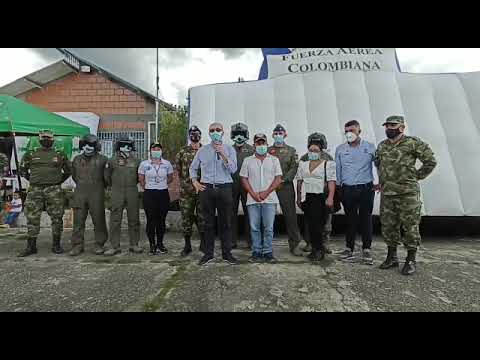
(442, 109)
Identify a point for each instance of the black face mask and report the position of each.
(392, 133)
(46, 143)
(195, 138)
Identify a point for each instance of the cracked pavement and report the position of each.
(448, 279)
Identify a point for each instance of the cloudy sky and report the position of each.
(182, 68)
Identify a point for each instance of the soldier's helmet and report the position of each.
(45, 134)
(193, 129)
(125, 140)
(239, 129)
(90, 140)
(319, 139)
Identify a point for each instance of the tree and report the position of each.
(173, 131)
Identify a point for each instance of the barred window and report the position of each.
(108, 140)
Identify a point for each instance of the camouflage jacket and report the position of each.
(183, 160)
(396, 165)
(4, 164)
(288, 161)
(45, 167)
(242, 153)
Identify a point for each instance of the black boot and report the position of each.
(31, 248)
(188, 247)
(56, 247)
(392, 259)
(410, 266)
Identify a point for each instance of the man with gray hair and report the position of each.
(217, 162)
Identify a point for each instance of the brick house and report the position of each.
(77, 85)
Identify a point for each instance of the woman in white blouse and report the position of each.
(313, 177)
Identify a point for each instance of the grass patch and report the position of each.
(170, 284)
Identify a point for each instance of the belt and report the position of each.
(217, 186)
(361, 186)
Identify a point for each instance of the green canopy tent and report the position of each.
(18, 118)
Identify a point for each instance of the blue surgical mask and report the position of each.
(313, 156)
(239, 139)
(157, 155)
(279, 139)
(216, 136)
(261, 150)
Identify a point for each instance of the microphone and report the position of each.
(218, 155)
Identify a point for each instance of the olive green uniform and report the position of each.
(46, 170)
(239, 193)
(122, 176)
(89, 174)
(286, 192)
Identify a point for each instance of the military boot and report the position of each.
(410, 263)
(188, 247)
(56, 246)
(99, 250)
(76, 250)
(31, 248)
(392, 259)
(296, 251)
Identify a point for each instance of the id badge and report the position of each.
(157, 180)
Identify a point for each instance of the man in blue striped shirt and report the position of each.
(354, 161)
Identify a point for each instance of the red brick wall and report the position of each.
(92, 92)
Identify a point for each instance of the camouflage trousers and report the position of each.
(42, 197)
(190, 209)
(401, 213)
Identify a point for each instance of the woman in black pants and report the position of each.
(314, 176)
(155, 175)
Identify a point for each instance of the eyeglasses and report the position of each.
(215, 130)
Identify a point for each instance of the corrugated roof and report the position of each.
(70, 64)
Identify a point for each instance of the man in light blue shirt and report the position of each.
(217, 163)
(354, 161)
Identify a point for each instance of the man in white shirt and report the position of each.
(260, 175)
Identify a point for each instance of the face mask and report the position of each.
(261, 150)
(46, 143)
(156, 154)
(392, 133)
(88, 150)
(216, 136)
(195, 138)
(239, 139)
(125, 150)
(351, 137)
(279, 139)
(312, 156)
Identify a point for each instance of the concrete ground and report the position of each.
(448, 280)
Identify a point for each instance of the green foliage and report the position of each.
(173, 131)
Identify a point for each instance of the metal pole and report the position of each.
(20, 190)
(157, 107)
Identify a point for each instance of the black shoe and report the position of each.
(186, 251)
(255, 258)
(410, 266)
(30, 250)
(206, 259)
(391, 261)
(229, 259)
(318, 255)
(269, 258)
(161, 249)
(153, 249)
(56, 247)
(234, 246)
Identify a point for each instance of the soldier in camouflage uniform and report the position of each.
(122, 176)
(401, 204)
(4, 165)
(189, 202)
(240, 135)
(89, 197)
(286, 192)
(321, 140)
(46, 169)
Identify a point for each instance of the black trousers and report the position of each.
(218, 200)
(315, 211)
(358, 204)
(156, 204)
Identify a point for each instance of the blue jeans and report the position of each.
(258, 214)
(11, 217)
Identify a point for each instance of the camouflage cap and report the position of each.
(45, 134)
(395, 119)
